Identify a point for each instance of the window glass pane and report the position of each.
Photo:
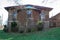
(14, 15)
(29, 12)
(42, 16)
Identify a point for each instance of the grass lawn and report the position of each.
(52, 34)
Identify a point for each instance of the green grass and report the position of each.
(51, 34)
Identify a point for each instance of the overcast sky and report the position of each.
(49, 3)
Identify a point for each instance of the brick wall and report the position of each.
(22, 17)
(35, 15)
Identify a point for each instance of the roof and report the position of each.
(55, 16)
(32, 6)
(41, 7)
(29, 7)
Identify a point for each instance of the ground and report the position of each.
(1, 27)
(51, 34)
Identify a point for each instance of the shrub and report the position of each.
(21, 31)
(13, 24)
(39, 25)
(5, 28)
(13, 27)
(39, 22)
(33, 29)
(29, 30)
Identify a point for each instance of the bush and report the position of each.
(13, 24)
(13, 27)
(5, 28)
(29, 30)
(39, 25)
(33, 29)
(21, 31)
(39, 28)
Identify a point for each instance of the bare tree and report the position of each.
(16, 1)
(45, 1)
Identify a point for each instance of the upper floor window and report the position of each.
(29, 12)
(42, 15)
(14, 15)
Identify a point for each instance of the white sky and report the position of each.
(49, 3)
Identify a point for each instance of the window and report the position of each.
(29, 12)
(42, 15)
(14, 15)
